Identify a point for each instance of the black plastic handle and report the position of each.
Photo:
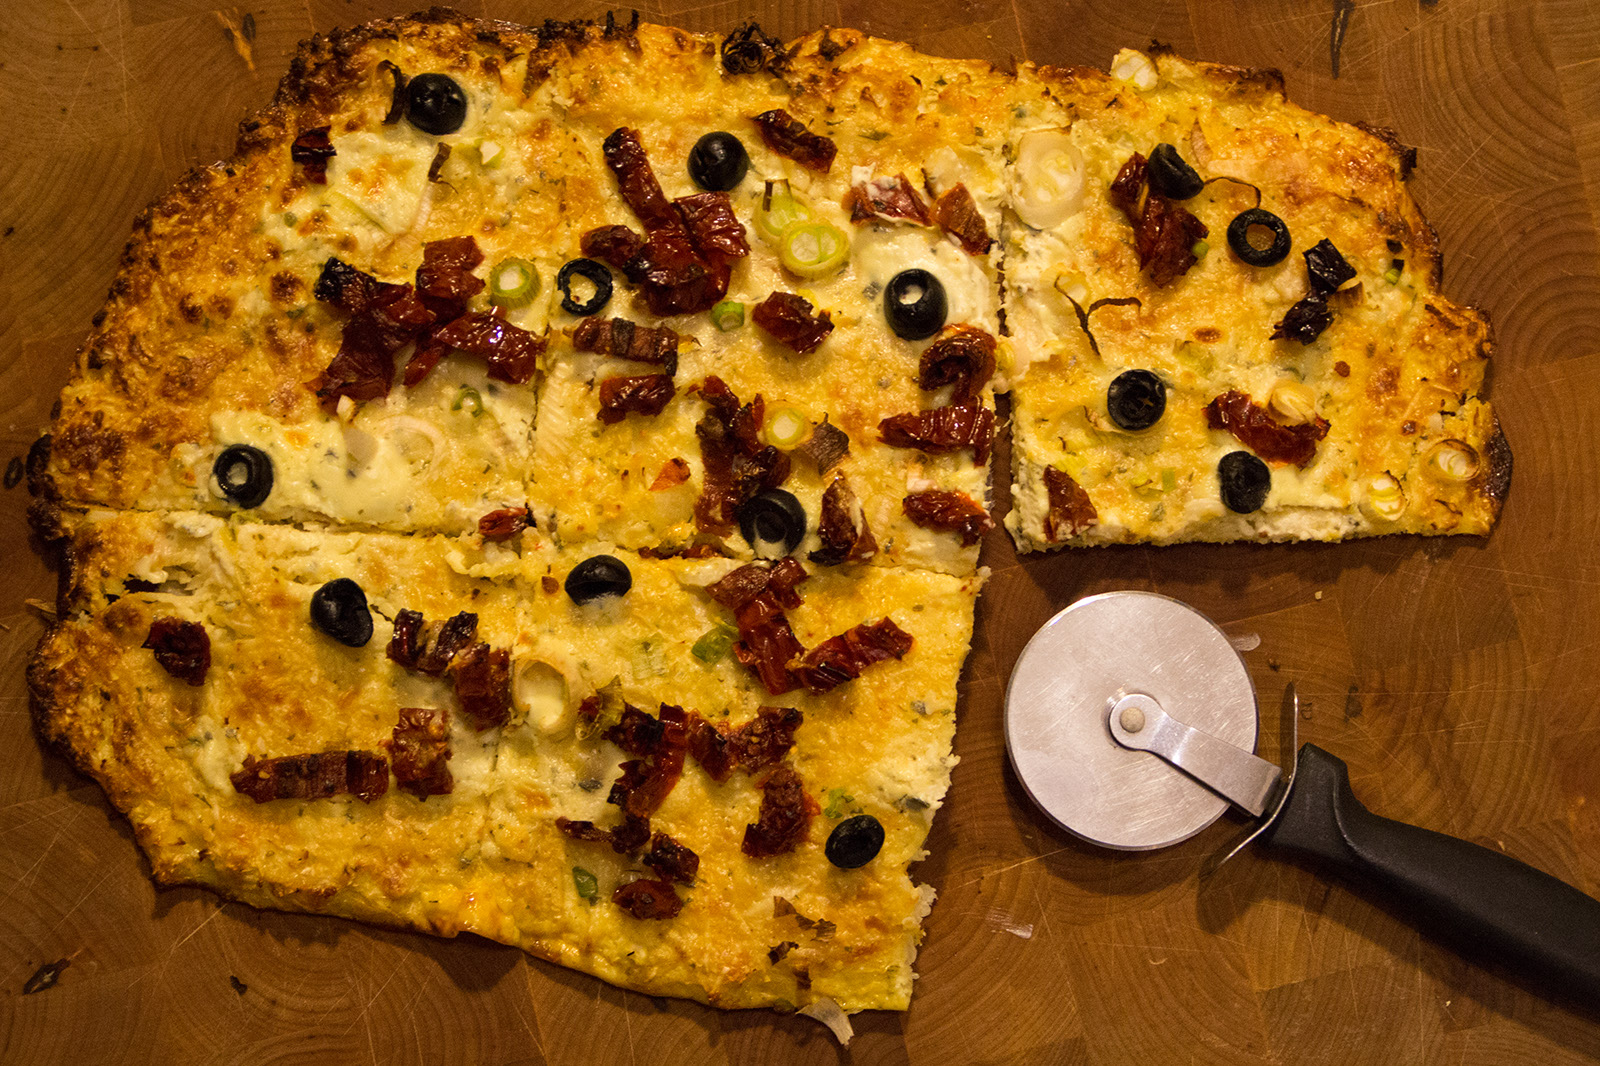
(1483, 902)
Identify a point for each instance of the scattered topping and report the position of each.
(747, 50)
(430, 647)
(645, 395)
(468, 400)
(626, 839)
(827, 447)
(1253, 427)
(183, 649)
(1164, 234)
(362, 774)
(813, 249)
(758, 743)
(673, 472)
(1385, 499)
(597, 576)
(948, 511)
(740, 586)
(787, 136)
(886, 198)
(482, 677)
(728, 315)
(789, 320)
(1326, 267)
(586, 884)
(445, 283)
(622, 339)
(513, 283)
(773, 523)
(339, 609)
(243, 474)
(943, 429)
(957, 214)
(646, 781)
(1047, 179)
(713, 227)
(914, 304)
(843, 528)
(1246, 225)
(718, 161)
(511, 352)
(786, 428)
(854, 842)
(963, 356)
(397, 98)
(1136, 399)
(312, 150)
(713, 645)
(1245, 482)
(505, 523)
(758, 595)
(784, 817)
(1294, 402)
(736, 464)
(646, 899)
(597, 276)
(436, 104)
(780, 208)
(420, 752)
(1452, 460)
(842, 658)
(671, 860)
(1069, 511)
(1170, 176)
(1306, 319)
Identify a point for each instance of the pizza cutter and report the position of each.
(1131, 721)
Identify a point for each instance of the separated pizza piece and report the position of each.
(1227, 323)
(804, 234)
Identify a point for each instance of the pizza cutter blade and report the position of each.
(1131, 721)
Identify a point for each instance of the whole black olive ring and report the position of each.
(854, 842)
(1245, 482)
(244, 474)
(339, 609)
(597, 576)
(1239, 237)
(1136, 399)
(718, 161)
(915, 305)
(436, 104)
(596, 273)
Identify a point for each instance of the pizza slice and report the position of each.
(1227, 323)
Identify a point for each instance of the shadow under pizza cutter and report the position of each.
(1130, 720)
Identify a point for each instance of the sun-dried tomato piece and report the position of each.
(1256, 429)
(788, 136)
(671, 860)
(957, 214)
(827, 446)
(183, 649)
(312, 150)
(948, 511)
(631, 835)
(417, 645)
(583, 831)
(674, 472)
(384, 319)
(320, 775)
(646, 781)
(511, 351)
(617, 245)
(636, 181)
(963, 356)
(445, 280)
(1306, 319)
(482, 678)
(784, 818)
(346, 288)
(736, 464)
(645, 899)
(420, 752)
(842, 527)
(713, 227)
(636, 733)
(886, 198)
(647, 394)
(739, 587)
(405, 646)
(621, 339)
(943, 429)
(505, 523)
(1128, 186)
(1164, 233)
(788, 318)
(1070, 511)
(766, 643)
(766, 738)
(842, 658)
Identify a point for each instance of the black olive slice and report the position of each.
(915, 304)
(1245, 481)
(773, 522)
(1170, 176)
(244, 474)
(597, 275)
(718, 161)
(596, 576)
(1239, 237)
(854, 842)
(435, 104)
(1328, 269)
(339, 609)
(1136, 399)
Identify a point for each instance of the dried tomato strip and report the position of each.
(671, 860)
(843, 539)
(645, 899)
(1256, 429)
(957, 214)
(321, 775)
(788, 318)
(182, 649)
(885, 198)
(312, 150)
(842, 658)
(1164, 233)
(511, 352)
(647, 394)
(482, 679)
(505, 523)
(758, 743)
(788, 136)
(622, 339)
(963, 356)
(784, 817)
(1069, 509)
(948, 511)
(943, 429)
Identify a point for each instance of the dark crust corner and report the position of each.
(1404, 153)
(1498, 485)
(1262, 79)
(40, 484)
(750, 50)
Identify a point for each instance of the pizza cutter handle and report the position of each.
(1482, 901)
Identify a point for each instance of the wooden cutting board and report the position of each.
(1459, 678)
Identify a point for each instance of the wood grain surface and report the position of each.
(1459, 678)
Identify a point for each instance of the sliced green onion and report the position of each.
(587, 884)
(779, 209)
(468, 400)
(813, 249)
(728, 315)
(714, 645)
(1199, 249)
(1392, 276)
(1169, 479)
(513, 282)
(786, 427)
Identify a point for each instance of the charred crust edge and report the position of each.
(1405, 155)
(1498, 449)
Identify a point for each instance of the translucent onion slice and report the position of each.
(1385, 498)
(1452, 460)
(1048, 178)
(1134, 66)
(1294, 402)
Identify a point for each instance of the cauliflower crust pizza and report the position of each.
(535, 486)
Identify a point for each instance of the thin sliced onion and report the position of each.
(830, 1014)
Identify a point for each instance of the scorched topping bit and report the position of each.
(182, 648)
(785, 816)
(420, 752)
(1164, 234)
(312, 150)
